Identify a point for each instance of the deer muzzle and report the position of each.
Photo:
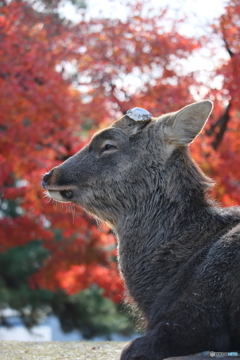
(56, 192)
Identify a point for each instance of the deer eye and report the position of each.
(108, 147)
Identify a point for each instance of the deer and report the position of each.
(178, 250)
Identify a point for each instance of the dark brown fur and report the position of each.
(179, 254)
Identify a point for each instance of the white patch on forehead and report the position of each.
(139, 114)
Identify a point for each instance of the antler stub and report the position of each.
(139, 114)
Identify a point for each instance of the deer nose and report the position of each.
(46, 178)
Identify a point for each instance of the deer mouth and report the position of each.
(59, 194)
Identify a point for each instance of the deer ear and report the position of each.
(182, 127)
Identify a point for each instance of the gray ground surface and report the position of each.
(80, 350)
(57, 350)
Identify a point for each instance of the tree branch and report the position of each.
(220, 127)
(231, 54)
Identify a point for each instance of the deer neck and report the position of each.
(150, 237)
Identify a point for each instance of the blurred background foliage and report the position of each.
(61, 78)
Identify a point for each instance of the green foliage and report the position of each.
(80, 4)
(17, 264)
(91, 313)
(88, 311)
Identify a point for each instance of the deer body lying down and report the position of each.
(179, 254)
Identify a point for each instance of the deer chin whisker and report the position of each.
(47, 196)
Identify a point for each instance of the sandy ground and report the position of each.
(82, 350)
(57, 350)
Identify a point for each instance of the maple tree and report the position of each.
(218, 148)
(39, 127)
(60, 81)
